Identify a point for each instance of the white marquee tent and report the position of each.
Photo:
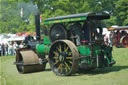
(5, 38)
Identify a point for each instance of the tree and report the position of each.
(122, 12)
(65, 7)
(10, 20)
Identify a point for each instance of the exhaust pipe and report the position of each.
(37, 24)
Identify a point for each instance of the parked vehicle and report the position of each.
(119, 36)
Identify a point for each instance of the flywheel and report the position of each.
(58, 32)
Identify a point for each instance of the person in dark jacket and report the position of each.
(0, 49)
(6, 49)
(3, 49)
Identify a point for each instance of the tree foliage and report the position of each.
(11, 21)
(121, 11)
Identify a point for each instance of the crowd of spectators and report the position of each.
(9, 49)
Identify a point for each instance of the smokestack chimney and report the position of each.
(37, 23)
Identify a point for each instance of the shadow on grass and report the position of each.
(33, 72)
(94, 72)
(103, 70)
(48, 69)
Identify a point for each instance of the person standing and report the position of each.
(0, 49)
(106, 39)
(3, 49)
(110, 39)
(21, 45)
(11, 50)
(15, 47)
(6, 49)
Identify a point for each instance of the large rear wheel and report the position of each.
(63, 57)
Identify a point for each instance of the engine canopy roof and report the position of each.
(78, 17)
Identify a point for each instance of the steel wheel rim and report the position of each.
(20, 68)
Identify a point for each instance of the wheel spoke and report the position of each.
(70, 62)
(66, 68)
(59, 48)
(55, 57)
(68, 57)
(60, 67)
(69, 53)
(57, 54)
(56, 62)
(65, 48)
(67, 65)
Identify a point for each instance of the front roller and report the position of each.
(27, 61)
(63, 57)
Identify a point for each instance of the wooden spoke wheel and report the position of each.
(63, 57)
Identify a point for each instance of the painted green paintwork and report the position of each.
(46, 40)
(66, 20)
(97, 52)
(84, 50)
(42, 49)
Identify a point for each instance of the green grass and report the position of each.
(116, 75)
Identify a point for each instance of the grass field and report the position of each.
(116, 75)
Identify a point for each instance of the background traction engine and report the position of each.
(119, 36)
(70, 47)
